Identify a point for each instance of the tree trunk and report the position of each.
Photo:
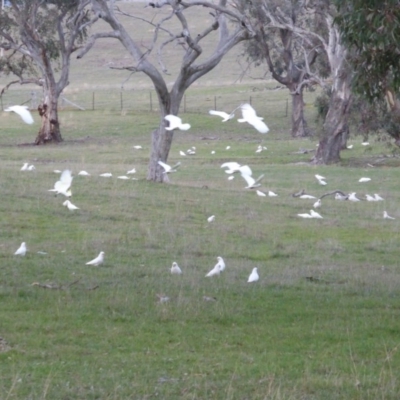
(299, 124)
(335, 129)
(161, 139)
(49, 131)
(160, 145)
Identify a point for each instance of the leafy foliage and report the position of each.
(371, 28)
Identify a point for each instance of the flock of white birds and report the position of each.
(249, 115)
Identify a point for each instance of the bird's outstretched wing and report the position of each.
(23, 112)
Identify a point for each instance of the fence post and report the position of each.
(92, 101)
(287, 107)
(184, 103)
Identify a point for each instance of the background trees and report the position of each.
(371, 30)
(40, 38)
(288, 56)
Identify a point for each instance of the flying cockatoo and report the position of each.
(23, 112)
(249, 115)
(63, 186)
(225, 116)
(167, 168)
(251, 182)
(175, 123)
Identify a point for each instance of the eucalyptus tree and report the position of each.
(289, 57)
(148, 58)
(326, 38)
(39, 38)
(371, 29)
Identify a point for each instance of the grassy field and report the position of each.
(321, 323)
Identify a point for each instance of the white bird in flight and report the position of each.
(175, 123)
(260, 193)
(21, 250)
(63, 186)
(233, 167)
(70, 206)
(361, 180)
(123, 177)
(175, 270)
(23, 112)
(138, 147)
(31, 168)
(272, 194)
(167, 168)
(131, 171)
(378, 198)
(251, 182)
(225, 116)
(98, 260)
(106, 175)
(249, 115)
(25, 166)
(83, 173)
(320, 177)
(387, 216)
(211, 219)
(253, 276)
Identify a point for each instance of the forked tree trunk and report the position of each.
(299, 124)
(49, 131)
(335, 129)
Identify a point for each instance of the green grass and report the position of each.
(284, 337)
(334, 335)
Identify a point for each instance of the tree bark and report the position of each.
(299, 124)
(49, 131)
(336, 127)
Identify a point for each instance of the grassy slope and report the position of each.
(282, 338)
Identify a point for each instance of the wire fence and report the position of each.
(268, 102)
(147, 101)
